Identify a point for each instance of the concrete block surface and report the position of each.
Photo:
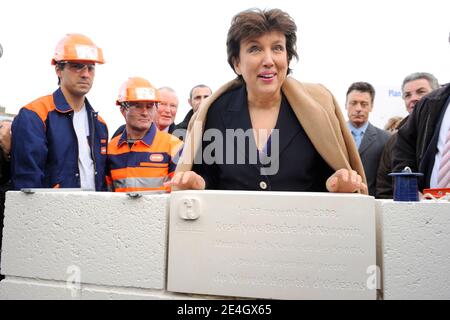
(414, 242)
(272, 245)
(29, 289)
(96, 238)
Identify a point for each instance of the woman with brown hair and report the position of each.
(265, 130)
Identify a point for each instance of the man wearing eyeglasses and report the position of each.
(59, 141)
(141, 158)
(165, 113)
(167, 110)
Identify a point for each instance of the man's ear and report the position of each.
(123, 111)
(190, 102)
(58, 71)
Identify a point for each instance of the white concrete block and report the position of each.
(414, 242)
(99, 238)
(32, 289)
(89, 293)
(272, 245)
(29, 289)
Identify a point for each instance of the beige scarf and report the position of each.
(318, 113)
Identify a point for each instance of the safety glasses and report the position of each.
(79, 67)
(141, 106)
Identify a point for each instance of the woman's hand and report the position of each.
(346, 181)
(186, 180)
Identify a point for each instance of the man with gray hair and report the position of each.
(167, 110)
(414, 87)
(423, 142)
(417, 85)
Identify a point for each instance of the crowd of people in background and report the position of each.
(263, 130)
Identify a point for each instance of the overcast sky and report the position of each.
(182, 43)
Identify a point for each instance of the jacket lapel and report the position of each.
(287, 126)
(369, 137)
(323, 130)
(236, 116)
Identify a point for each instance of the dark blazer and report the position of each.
(181, 128)
(299, 166)
(184, 124)
(370, 151)
(384, 181)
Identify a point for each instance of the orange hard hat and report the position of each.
(137, 90)
(77, 47)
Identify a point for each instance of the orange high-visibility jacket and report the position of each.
(145, 166)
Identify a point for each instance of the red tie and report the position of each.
(444, 167)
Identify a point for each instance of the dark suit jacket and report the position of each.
(184, 124)
(370, 150)
(181, 128)
(300, 167)
(416, 144)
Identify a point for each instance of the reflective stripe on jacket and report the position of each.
(44, 151)
(149, 163)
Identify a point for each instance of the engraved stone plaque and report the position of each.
(281, 245)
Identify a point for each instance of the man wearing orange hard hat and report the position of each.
(59, 141)
(142, 158)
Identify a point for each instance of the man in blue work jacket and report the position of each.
(59, 141)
